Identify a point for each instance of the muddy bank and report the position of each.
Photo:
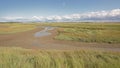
(43, 38)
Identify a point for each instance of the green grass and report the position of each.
(28, 58)
(88, 32)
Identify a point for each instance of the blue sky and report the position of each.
(30, 8)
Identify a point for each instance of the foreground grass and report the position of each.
(8, 28)
(27, 58)
(88, 32)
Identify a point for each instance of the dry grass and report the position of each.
(8, 28)
(90, 32)
(27, 58)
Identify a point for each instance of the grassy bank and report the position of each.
(27, 58)
(88, 32)
(8, 28)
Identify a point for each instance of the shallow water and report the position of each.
(44, 32)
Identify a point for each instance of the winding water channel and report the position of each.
(44, 32)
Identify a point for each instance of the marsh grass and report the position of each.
(82, 32)
(8, 28)
(85, 35)
(88, 32)
(28, 58)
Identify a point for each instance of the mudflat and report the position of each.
(28, 40)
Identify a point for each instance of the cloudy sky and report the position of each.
(59, 10)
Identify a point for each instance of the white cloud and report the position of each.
(7, 19)
(40, 18)
(114, 12)
(67, 17)
(53, 18)
(49, 18)
(113, 15)
(12, 18)
(36, 17)
(57, 17)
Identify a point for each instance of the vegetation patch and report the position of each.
(88, 32)
(28, 58)
(8, 28)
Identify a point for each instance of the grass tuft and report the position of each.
(28, 58)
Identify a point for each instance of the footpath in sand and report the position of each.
(43, 38)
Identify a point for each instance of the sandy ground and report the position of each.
(27, 40)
